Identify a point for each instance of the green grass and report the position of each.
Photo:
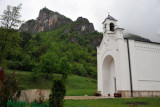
(79, 86)
(75, 85)
(117, 102)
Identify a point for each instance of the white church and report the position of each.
(127, 67)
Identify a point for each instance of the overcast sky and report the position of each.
(140, 17)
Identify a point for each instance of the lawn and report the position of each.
(116, 102)
(80, 86)
(75, 85)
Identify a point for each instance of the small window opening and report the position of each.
(111, 27)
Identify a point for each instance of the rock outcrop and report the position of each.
(84, 25)
(47, 20)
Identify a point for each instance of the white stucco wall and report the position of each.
(124, 66)
(145, 63)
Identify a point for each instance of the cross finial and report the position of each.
(108, 13)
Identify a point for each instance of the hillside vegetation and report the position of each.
(53, 49)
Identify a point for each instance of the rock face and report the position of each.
(84, 25)
(47, 20)
(28, 26)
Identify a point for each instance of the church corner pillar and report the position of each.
(98, 71)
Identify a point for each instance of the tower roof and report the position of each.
(110, 18)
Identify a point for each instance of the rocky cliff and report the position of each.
(49, 20)
(84, 25)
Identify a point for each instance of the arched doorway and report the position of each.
(109, 79)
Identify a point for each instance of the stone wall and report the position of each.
(140, 93)
(32, 94)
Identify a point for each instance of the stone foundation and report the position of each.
(140, 93)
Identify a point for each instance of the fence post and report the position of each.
(45, 104)
(13, 104)
(31, 104)
(9, 103)
(23, 103)
(18, 103)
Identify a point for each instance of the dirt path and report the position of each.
(85, 97)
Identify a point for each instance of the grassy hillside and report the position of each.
(75, 85)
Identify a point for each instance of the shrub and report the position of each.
(10, 90)
(56, 99)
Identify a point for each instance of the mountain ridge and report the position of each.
(50, 20)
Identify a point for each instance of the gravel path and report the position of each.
(85, 97)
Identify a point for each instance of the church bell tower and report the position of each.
(109, 24)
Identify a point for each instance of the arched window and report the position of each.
(111, 27)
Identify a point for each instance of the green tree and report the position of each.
(48, 63)
(11, 17)
(27, 63)
(64, 68)
(56, 99)
(9, 40)
(26, 36)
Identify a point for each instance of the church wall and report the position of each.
(145, 68)
(123, 65)
(147, 58)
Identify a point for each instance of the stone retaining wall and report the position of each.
(32, 94)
